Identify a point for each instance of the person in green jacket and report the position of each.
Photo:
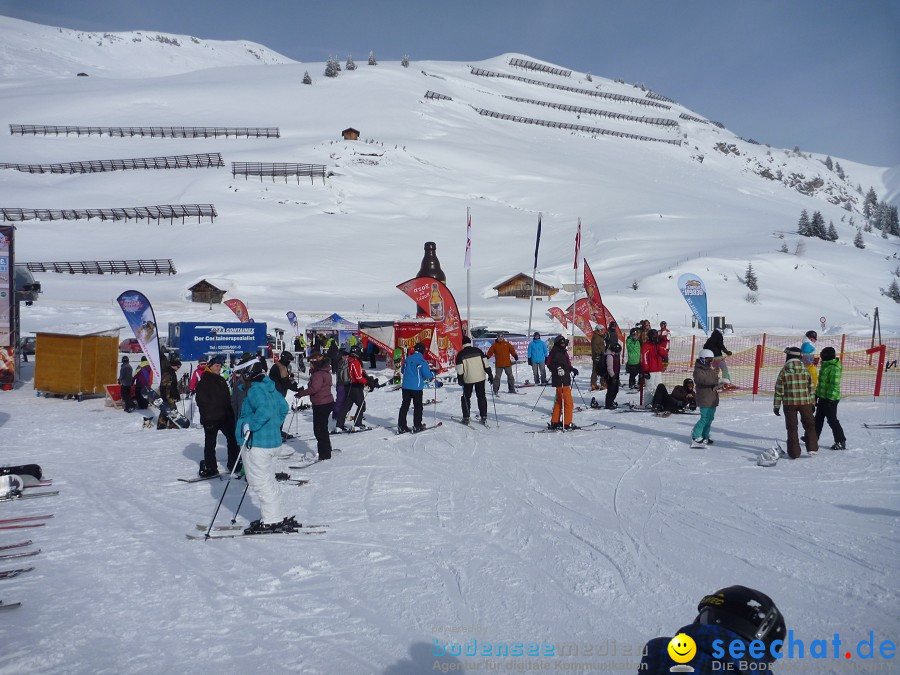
(633, 363)
(828, 394)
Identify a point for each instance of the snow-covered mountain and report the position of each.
(660, 189)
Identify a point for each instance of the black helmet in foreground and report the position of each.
(745, 611)
(561, 340)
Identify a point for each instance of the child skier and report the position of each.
(828, 394)
(707, 383)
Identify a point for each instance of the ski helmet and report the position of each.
(285, 357)
(745, 611)
(420, 347)
(812, 335)
(537, 336)
(706, 356)
(687, 381)
(561, 340)
(125, 359)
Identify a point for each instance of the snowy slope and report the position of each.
(600, 539)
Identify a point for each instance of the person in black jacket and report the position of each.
(168, 390)
(214, 401)
(126, 381)
(280, 374)
(716, 344)
(561, 374)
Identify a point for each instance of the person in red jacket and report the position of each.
(358, 379)
(319, 392)
(651, 361)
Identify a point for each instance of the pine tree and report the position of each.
(869, 203)
(306, 78)
(589, 78)
(839, 171)
(894, 291)
(372, 61)
(858, 239)
(784, 248)
(892, 222)
(750, 278)
(330, 70)
(351, 65)
(804, 229)
(405, 61)
(832, 232)
(829, 163)
(818, 226)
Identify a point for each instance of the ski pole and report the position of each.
(238, 509)
(434, 419)
(494, 401)
(244, 444)
(579, 391)
(538, 398)
(360, 408)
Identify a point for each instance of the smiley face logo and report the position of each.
(682, 648)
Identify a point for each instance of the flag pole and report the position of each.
(575, 289)
(534, 273)
(468, 264)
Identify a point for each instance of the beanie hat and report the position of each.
(202, 360)
(828, 354)
(792, 352)
(125, 359)
(466, 340)
(216, 359)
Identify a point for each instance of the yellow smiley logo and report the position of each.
(682, 648)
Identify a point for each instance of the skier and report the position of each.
(707, 382)
(808, 355)
(795, 391)
(214, 402)
(472, 369)
(613, 369)
(561, 374)
(372, 352)
(415, 374)
(142, 379)
(280, 374)
(716, 344)
(598, 358)
(126, 380)
(633, 364)
(828, 395)
(198, 373)
(342, 385)
(168, 390)
(664, 334)
(651, 361)
(355, 394)
(504, 356)
(319, 392)
(537, 357)
(736, 614)
(262, 415)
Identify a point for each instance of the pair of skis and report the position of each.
(235, 531)
(586, 427)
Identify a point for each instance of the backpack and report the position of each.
(344, 372)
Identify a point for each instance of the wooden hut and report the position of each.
(204, 291)
(519, 286)
(75, 364)
(350, 134)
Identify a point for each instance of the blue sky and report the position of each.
(820, 74)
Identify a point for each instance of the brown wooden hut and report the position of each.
(75, 364)
(519, 286)
(350, 134)
(203, 291)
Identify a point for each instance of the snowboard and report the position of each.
(164, 408)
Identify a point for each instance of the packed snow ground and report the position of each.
(585, 538)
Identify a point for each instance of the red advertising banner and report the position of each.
(599, 311)
(557, 314)
(239, 309)
(434, 299)
(583, 317)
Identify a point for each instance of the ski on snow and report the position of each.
(470, 423)
(10, 574)
(249, 536)
(222, 528)
(23, 526)
(397, 434)
(27, 554)
(27, 542)
(24, 518)
(586, 427)
(891, 425)
(30, 495)
(9, 605)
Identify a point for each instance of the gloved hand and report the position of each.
(490, 376)
(574, 372)
(245, 429)
(529, 362)
(299, 395)
(459, 380)
(777, 411)
(516, 359)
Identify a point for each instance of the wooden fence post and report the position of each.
(843, 342)
(693, 348)
(881, 351)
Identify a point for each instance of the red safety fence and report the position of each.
(756, 360)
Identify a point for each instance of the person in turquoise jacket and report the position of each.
(537, 357)
(415, 374)
(259, 424)
(828, 394)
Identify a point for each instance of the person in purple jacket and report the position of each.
(319, 392)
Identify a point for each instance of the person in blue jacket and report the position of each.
(415, 373)
(259, 424)
(737, 614)
(537, 357)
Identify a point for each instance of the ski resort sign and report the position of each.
(196, 339)
(694, 292)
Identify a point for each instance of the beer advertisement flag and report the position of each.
(467, 263)
(693, 290)
(139, 315)
(239, 309)
(435, 299)
(292, 319)
(600, 312)
(558, 314)
(583, 317)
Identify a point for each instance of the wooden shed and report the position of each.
(204, 291)
(350, 134)
(519, 286)
(75, 364)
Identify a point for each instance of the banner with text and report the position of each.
(239, 309)
(694, 292)
(139, 315)
(435, 299)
